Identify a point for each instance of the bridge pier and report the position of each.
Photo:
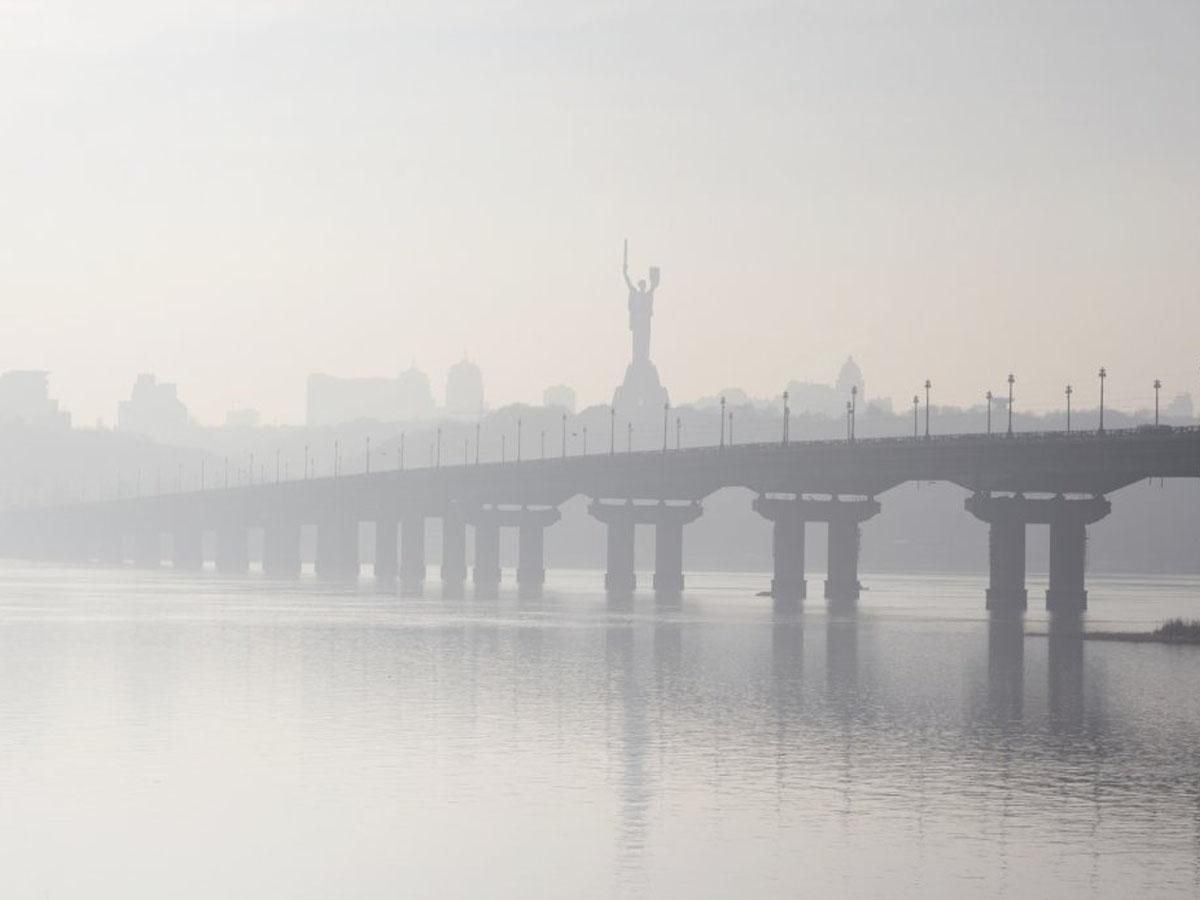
(844, 518)
(1068, 550)
(147, 549)
(619, 575)
(281, 549)
(454, 551)
(233, 550)
(337, 547)
(787, 545)
(531, 548)
(789, 517)
(668, 544)
(621, 520)
(412, 552)
(387, 554)
(1007, 518)
(187, 548)
(486, 574)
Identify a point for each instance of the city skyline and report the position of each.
(434, 177)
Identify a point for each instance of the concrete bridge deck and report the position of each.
(797, 483)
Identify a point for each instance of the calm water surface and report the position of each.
(171, 736)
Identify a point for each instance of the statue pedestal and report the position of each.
(641, 393)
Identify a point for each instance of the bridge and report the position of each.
(1057, 479)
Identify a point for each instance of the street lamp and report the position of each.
(564, 435)
(438, 458)
(277, 462)
(543, 443)
(731, 429)
(504, 448)
(306, 462)
(849, 419)
(988, 397)
(928, 385)
(1157, 387)
(666, 423)
(1070, 390)
(916, 406)
(612, 430)
(368, 459)
(337, 458)
(518, 440)
(786, 415)
(853, 410)
(722, 422)
(678, 432)
(585, 440)
(477, 443)
(1011, 381)
(1103, 375)
(629, 438)
(401, 462)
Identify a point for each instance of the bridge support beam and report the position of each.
(412, 552)
(531, 548)
(337, 547)
(1007, 518)
(668, 519)
(387, 553)
(187, 548)
(233, 550)
(844, 518)
(281, 549)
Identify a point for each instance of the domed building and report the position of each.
(851, 376)
(464, 389)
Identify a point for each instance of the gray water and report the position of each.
(172, 736)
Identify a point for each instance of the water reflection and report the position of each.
(710, 744)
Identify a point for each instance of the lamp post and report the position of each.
(849, 414)
(722, 422)
(401, 463)
(1011, 382)
(337, 458)
(928, 385)
(251, 474)
(543, 443)
(916, 406)
(368, 467)
(226, 476)
(730, 429)
(585, 440)
(666, 423)
(277, 462)
(629, 438)
(853, 411)
(438, 457)
(1103, 375)
(476, 443)
(678, 432)
(504, 448)
(612, 430)
(786, 415)
(518, 440)
(1157, 387)
(466, 450)
(1070, 390)
(201, 473)
(564, 435)
(306, 462)
(988, 397)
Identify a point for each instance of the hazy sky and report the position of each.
(233, 194)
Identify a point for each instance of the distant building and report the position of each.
(335, 401)
(242, 418)
(153, 409)
(464, 389)
(825, 399)
(560, 395)
(25, 400)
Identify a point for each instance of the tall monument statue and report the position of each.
(641, 394)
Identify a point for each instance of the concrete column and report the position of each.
(412, 552)
(619, 577)
(147, 549)
(841, 582)
(668, 555)
(454, 549)
(387, 559)
(233, 550)
(787, 545)
(1068, 557)
(281, 549)
(531, 535)
(187, 548)
(487, 553)
(337, 547)
(1006, 564)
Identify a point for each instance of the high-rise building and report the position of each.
(464, 389)
(25, 400)
(153, 409)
